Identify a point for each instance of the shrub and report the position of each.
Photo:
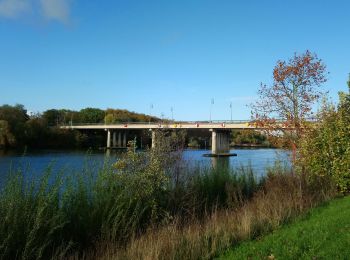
(325, 150)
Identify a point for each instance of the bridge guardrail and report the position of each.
(177, 122)
(165, 122)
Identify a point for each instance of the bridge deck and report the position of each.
(240, 125)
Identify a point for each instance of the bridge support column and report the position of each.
(108, 138)
(114, 139)
(220, 142)
(119, 139)
(124, 139)
(153, 138)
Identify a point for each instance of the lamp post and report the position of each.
(150, 113)
(231, 109)
(172, 114)
(211, 105)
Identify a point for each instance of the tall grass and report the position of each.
(147, 205)
(63, 214)
(31, 218)
(282, 197)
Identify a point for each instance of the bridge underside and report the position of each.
(220, 139)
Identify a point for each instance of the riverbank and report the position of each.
(251, 146)
(67, 213)
(146, 205)
(281, 198)
(323, 233)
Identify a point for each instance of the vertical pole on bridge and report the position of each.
(108, 138)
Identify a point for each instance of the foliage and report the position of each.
(321, 234)
(296, 87)
(91, 115)
(36, 129)
(193, 142)
(325, 150)
(122, 115)
(142, 179)
(17, 129)
(15, 118)
(31, 219)
(56, 215)
(147, 192)
(249, 137)
(6, 137)
(282, 197)
(54, 117)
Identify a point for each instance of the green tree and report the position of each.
(6, 137)
(52, 116)
(36, 132)
(325, 150)
(16, 117)
(91, 115)
(249, 137)
(56, 117)
(123, 116)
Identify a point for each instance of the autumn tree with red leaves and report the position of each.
(286, 105)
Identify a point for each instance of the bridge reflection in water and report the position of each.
(220, 162)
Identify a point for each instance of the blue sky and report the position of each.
(181, 54)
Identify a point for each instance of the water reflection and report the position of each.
(220, 162)
(256, 159)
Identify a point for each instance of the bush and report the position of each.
(325, 150)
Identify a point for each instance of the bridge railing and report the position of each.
(163, 122)
(167, 122)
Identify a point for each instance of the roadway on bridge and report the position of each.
(182, 125)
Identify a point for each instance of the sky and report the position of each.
(156, 56)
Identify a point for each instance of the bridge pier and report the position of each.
(220, 143)
(108, 138)
(153, 138)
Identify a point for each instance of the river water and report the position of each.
(35, 162)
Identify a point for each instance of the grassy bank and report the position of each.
(60, 214)
(282, 197)
(148, 205)
(324, 233)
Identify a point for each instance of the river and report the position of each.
(35, 162)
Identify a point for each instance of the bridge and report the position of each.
(220, 131)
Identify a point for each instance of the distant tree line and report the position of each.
(41, 130)
(94, 116)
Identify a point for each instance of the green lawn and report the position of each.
(322, 234)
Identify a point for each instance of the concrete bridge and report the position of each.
(220, 131)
